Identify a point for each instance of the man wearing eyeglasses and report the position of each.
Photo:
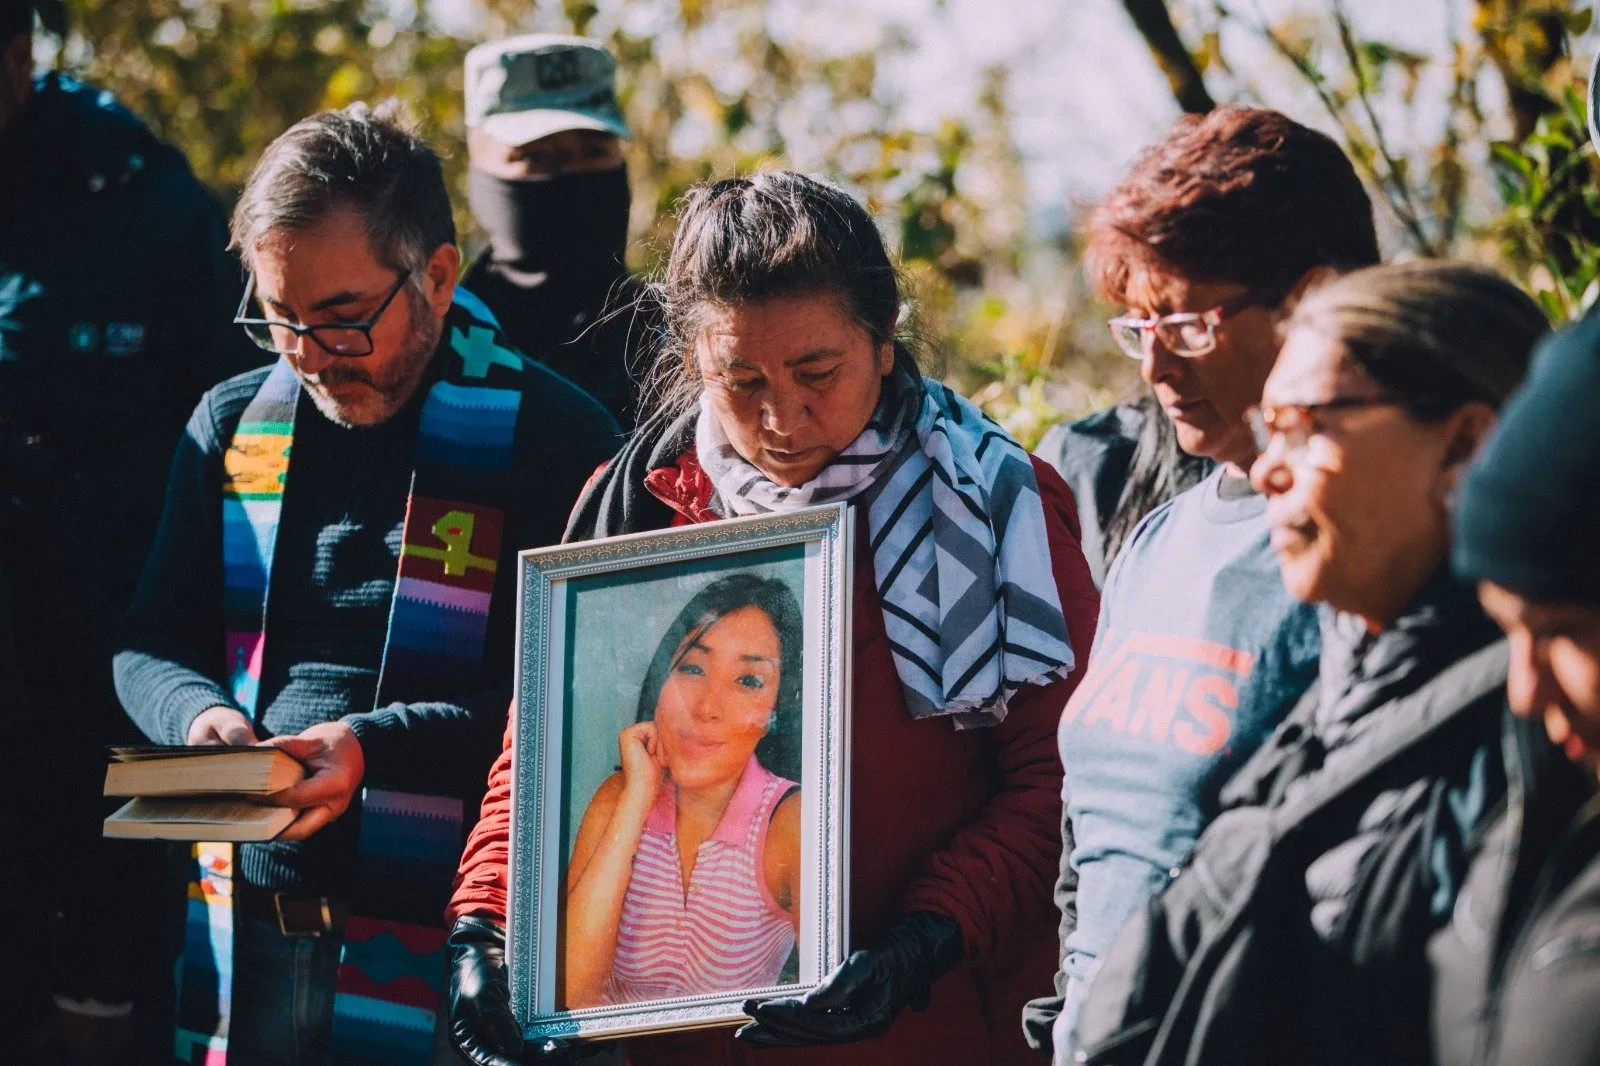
(1207, 243)
(334, 575)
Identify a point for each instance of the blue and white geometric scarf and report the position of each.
(958, 545)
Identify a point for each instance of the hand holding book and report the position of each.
(285, 788)
(206, 792)
(334, 765)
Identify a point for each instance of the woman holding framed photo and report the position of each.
(782, 384)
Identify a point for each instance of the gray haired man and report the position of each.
(547, 182)
(377, 480)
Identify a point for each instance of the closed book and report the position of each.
(177, 771)
(197, 818)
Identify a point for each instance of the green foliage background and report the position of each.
(710, 88)
(716, 87)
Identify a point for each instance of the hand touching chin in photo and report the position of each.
(644, 767)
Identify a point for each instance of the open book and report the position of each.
(203, 793)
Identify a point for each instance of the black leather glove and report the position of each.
(864, 995)
(481, 1025)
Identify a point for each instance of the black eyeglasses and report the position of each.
(336, 338)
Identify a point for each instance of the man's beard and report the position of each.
(383, 396)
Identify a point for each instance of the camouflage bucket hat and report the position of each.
(528, 87)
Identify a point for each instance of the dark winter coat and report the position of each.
(1096, 455)
(117, 295)
(1297, 932)
(1093, 455)
(602, 349)
(1517, 970)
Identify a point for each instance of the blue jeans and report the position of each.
(283, 988)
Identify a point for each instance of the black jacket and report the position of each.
(1517, 970)
(604, 349)
(117, 296)
(1097, 454)
(116, 301)
(1093, 455)
(1297, 932)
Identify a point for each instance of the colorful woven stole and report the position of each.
(391, 973)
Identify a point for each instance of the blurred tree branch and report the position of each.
(1367, 144)
(1545, 229)
(1154, 23)
(1394, 169)
(711, 88)
(1525, 40)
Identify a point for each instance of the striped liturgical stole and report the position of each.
(391, 972)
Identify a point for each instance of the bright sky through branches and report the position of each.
(1085, 93)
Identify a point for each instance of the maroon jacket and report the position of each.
(964, 824)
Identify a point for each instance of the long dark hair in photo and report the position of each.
(779, 750)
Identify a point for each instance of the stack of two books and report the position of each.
(205, 793)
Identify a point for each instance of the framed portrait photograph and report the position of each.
(680, 773)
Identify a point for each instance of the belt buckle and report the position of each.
(283, 923)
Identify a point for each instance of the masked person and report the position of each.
(547, 182)
(116, 295)
(335, 574)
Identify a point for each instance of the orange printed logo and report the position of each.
(1172, 690)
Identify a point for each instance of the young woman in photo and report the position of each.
(685, 873)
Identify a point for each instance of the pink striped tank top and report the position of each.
(726, 932)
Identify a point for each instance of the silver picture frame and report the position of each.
(556, 586)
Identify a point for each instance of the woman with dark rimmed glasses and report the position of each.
(1387, 382)
(1342, 843)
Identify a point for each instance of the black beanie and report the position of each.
(1528, 515)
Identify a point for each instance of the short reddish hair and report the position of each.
(1241, 194)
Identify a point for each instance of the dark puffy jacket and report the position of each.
(116, 301)
(1297, 932)
(1093, 456)
(117, 295)
(1517, 970)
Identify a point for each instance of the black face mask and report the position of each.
(572, 227)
